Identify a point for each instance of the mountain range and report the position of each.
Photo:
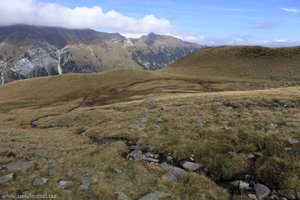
(32, 51)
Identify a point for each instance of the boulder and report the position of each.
(261, 191)
(177, 173)
(19, 165)
(191, 166)
(40, 181)
(6, 178)
(64, 184)
(244, 185)
(136, 155)
(152, 160)
(121, 196)
(155, 196)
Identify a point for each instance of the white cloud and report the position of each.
(32, 12)
(294, 10)
(188, 37)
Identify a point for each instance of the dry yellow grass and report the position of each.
(184, 115)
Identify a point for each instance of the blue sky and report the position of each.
(211, 22)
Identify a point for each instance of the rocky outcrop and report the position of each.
(29, 51)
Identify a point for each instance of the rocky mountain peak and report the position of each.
(35, 51)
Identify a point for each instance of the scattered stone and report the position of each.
(294, 143)
(64, 184)
(157, 126)
(258, 154)
(200, 122)
(34, 124)
(234, 187)
(272, 126)
(150, 148)
(83, 187)
(144, 120)
(159, 120)
(287, 194)
(70, 172)
(86, 180)
(190, 166)
(234, 184)
(6, 178)
(252, 196)
(30, 156)
(19, 165)
(155, 196)
(136, 155)
(134, 126)
(261, 191)
(83, 102)
(251, 156)
(40, 181)
(175, 173)
(118, 170)
(81, 132)
(244, 185)
(150, 101)
(169, 159)
(192, 158)
(151, 160)
(275, 197)
(55, 162)
(149, 155)
(105, 140)
(121, 196)
(247, 177)
(51, 172)
(228, 128)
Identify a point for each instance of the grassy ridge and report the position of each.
(242, 62)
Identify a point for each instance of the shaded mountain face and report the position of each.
(30, 51)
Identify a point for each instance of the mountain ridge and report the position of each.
(244, 62)
(32, 51)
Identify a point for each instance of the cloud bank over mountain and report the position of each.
(32, 12)
(44, 13)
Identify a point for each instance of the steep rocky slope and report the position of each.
(30, 51)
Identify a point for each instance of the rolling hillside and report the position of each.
(199, 129)
(68, 135)
(245, 62)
